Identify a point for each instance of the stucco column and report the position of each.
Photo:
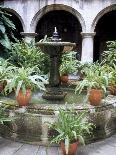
(87, 47)
(29, 36)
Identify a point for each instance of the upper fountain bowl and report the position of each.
(55, 48)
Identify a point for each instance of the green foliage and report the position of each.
(70, 127)
(112, 77)
(109, 56)
(3, 115)
(95, 77)
(24, 78)
(6, 29)
(6, 70)
(28, 55)
(69, 63)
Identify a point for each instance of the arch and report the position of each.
(17, 15)
(53, 7)
(100, 14)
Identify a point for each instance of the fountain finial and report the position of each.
(55, 36)
(55, 30)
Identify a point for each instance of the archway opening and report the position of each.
(105, 31)
(68, 26)
(18, 25)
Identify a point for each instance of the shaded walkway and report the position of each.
(106, 147)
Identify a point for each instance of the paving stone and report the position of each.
(104, 147)
(9, 147)
(27, 150)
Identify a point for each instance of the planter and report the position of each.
(64, 78)
(2, 85)
(23, 99)
(112, 89)
(72, 148)
(95, 96)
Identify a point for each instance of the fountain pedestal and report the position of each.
(54, 49)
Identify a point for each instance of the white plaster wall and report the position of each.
(87, 8)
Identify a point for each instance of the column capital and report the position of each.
(88, 34)
(28, 34)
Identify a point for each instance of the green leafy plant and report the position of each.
(6, 70)
(28, 55)
(4, 117)
(71, 126)
(95, 77)
(109, 56)
(6, 29)
(69, 63)
(24, 78)
(112, 78)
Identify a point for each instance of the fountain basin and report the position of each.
(30, 123)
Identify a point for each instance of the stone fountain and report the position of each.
(54, 48)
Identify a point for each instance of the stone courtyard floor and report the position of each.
(106, 147)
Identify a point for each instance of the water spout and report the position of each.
(55, 30)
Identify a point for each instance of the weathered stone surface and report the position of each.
(31, 123)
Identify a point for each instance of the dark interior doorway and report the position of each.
(18, 25)
(67, 25)
(105, 31)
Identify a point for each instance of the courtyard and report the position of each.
(57, 77)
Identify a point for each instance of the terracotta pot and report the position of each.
(2, 85)
(72, 148)
(64, 78)
(95, 96)
(23, 99)
(112, 89)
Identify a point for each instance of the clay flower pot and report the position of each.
(95, 96)
(64, 78)
(2, 85)
(112, 89)
(72, 148)
(23, 99)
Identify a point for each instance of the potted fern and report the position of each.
(23, 81)
(96, 82)
(71, 128)
(68, 65)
